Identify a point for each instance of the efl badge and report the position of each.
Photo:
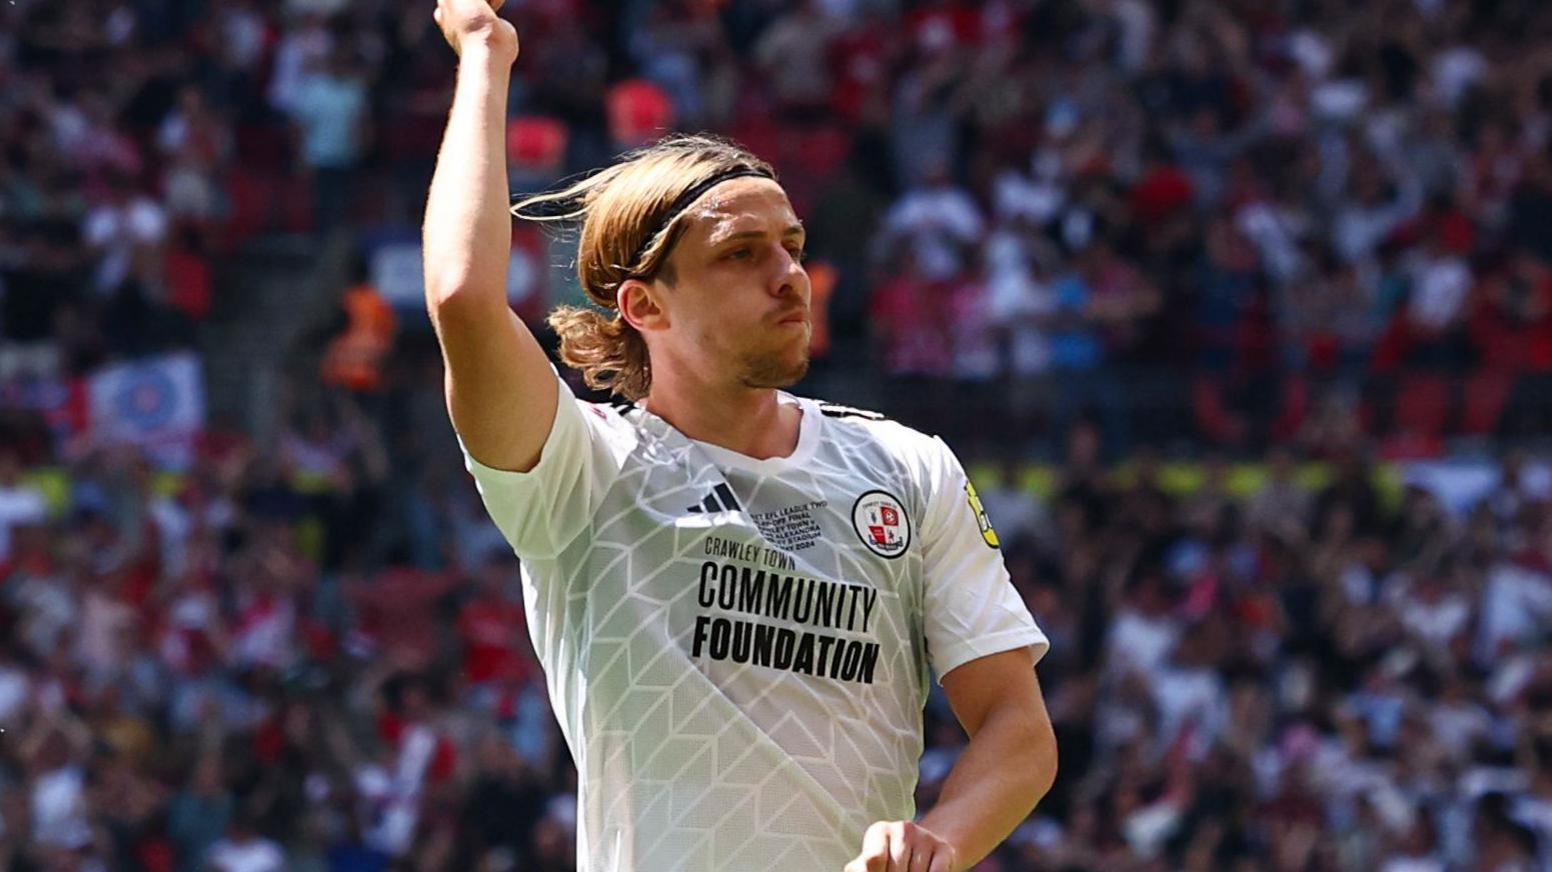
(881, 524)
(987, 533)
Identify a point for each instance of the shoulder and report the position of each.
(616, 417)
(837, 410)
(615, 423)
(849, 424)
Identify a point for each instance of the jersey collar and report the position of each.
(808, 439)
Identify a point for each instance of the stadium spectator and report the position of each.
(1288, 220)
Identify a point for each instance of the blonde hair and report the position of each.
(628, 230)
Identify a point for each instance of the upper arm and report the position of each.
(986, 684)
(543, 507)
(501, 392)
(971, 607)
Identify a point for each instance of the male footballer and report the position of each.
(738, 596)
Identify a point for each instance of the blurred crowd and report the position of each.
(272, 661)
(1234, 221)
(1315, 225)
(286, 658)
(1304, 677)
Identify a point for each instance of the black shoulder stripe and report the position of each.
(835, 410)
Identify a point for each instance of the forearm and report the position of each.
(1005, 770)
(467, 236)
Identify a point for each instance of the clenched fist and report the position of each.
(464, 20)
(903, 846)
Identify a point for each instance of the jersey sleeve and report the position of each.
(972, 608)
(542, 510)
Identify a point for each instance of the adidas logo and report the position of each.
(720, 499)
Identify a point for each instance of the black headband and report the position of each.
(693, 193)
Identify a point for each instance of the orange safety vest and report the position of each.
(355, 357)
(822, 278)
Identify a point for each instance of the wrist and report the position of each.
(950, 840)
(487, 50)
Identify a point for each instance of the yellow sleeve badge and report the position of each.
(987, 533)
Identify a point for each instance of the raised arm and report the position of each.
(500, 391)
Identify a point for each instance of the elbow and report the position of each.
(1040, 762)
(458, 280)
(443, 291)
(1027, 750)
(440, 289)
(457, 298)
(1046, 760)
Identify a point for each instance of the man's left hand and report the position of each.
(903, 846)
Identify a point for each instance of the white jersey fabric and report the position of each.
(738, 650)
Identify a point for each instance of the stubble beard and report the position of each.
(774, 369)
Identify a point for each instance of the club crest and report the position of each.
(881, 523)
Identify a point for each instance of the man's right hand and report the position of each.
(465, 20)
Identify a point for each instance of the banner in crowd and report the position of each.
(1460, 485)
(156, 403)
(59, 401)
(397, 269)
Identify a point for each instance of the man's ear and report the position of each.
(640, 305)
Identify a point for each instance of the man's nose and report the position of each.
(791, 277)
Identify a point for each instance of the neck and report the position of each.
(746, 420)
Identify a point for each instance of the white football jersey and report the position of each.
(738, 650)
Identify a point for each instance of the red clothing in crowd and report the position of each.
(395, 729)
(398, 610)
(910, 316)
(1160, 193)
(491, 629)
(1511, 322)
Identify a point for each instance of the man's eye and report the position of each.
(798, 254)
(738, 253)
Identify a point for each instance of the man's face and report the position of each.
(739, 300)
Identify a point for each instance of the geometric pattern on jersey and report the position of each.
(670, 586)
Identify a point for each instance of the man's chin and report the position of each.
(776, 374)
